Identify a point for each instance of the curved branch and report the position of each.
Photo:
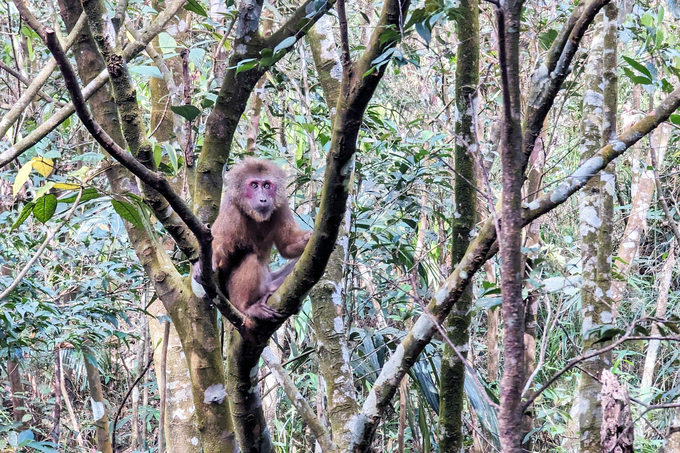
(131, 51)
(154, 180)
(297, 25)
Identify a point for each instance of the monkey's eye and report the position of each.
(267, 185)
(253, 185)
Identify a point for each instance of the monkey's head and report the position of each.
(257, 188)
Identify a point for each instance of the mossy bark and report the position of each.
(452, 379)
(588, 409)
(194, 319)
(327, 296)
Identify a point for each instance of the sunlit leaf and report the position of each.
(22, 177)
(172, 155)
(43, 166)
(66, 186)
(286, 43)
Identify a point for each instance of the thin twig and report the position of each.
(122, 403)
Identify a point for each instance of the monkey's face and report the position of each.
(260, 198)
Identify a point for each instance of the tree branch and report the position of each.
(298, 401)
(131, 51)
(27, 83)
(154, 180)
(481, 249)
(297, 25)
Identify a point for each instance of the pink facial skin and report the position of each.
(260, 194)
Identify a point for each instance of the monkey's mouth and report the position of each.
(264, 212)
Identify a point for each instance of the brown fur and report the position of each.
(244, 236)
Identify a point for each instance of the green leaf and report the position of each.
(195, 7)
(186, 111)
(88, 194)
(286, 43)
(675, 119)
(28, 208)
(638, 80)
(44, 207)
(639, 66)
(172, 155)
(606, 333)
(157, 154)
(547, 38)
(128, 212)
(424, 32)
(246, 65)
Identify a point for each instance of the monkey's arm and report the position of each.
(289, 238)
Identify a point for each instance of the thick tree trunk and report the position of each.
(452, 380)
(510, 239)
(194, 319)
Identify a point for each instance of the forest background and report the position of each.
(415, 135)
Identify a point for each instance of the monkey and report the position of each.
(254, 215)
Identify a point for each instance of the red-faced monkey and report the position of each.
(254, 216)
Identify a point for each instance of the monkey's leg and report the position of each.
(277, 277)
(249, 289)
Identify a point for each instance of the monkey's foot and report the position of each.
(264, 312)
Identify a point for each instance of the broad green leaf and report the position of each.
(639, 80)
(22, 177)
(150, 71)
(88, 194)
(172, 155)
(44, 207)
(157, 154)
(128, 212)
(424, 32)
(28, 208)
(547, 38)
(675, 119)
(43, 166)
(195, 7)
(187, 111)
(66, 186)
(639, 66)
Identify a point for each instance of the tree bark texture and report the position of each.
(452, 379)
(97, 403)
(194, 319)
